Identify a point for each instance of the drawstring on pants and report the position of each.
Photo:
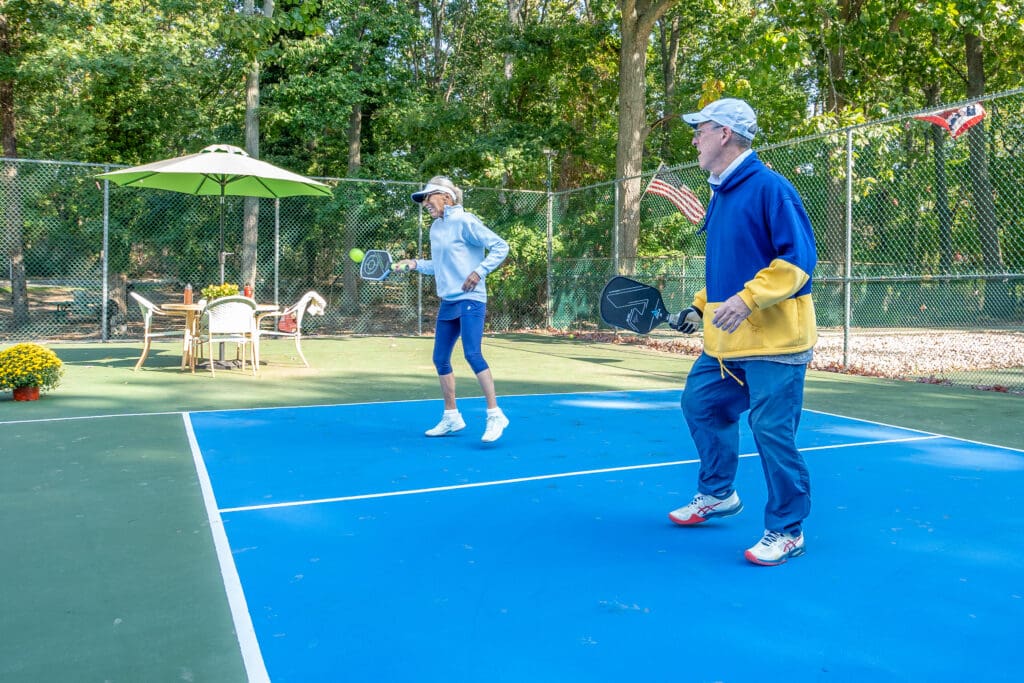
(724, 370)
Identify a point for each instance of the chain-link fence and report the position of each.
(920, 240)
(921, 244)
(920, 237)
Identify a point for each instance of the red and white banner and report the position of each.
(669, 187)
(956, 121)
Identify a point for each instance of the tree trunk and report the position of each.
(998, 301)
(988, 233)
(437, 18)
(14, 242)
(251, 219)
(355, 162)
(251, 214)
(13, 237)
(833, 244)
(629, 152)
(638, 19)
(516, 20)
(669, 65)
(945, 216)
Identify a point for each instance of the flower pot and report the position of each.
(26, 394)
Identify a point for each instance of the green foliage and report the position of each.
(468, 90)
(521, 282)
(463, 88)
(669, 235)
(114, 80)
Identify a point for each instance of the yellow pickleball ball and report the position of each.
(356, 255)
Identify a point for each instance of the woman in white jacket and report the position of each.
(463, 251)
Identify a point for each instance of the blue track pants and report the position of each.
(773, 392)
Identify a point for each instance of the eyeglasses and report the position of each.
(700, 131)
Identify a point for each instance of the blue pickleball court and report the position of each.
(356, 549)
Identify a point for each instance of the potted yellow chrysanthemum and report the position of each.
(28, 369)
(211, 292)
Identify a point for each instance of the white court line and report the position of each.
(428, 400)
(540, 477)
(255, 668)
(87, 417)
(315, 405)
(913, 429)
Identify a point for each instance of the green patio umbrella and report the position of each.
(219, 170)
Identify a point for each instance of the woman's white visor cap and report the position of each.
(436, 185)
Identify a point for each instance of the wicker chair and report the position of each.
(149, 311)
(231, 319)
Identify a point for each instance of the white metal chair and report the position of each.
(149, 311)
(231, 319)
(287, 323)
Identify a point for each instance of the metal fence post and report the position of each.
(615, 230)
(549, 315)
(105, 261)
(419, 275)
(848, 266)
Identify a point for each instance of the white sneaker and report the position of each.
(495, 426)
(775, 548)
(703, 507)
(449, 424)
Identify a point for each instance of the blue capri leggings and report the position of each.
(455, 319)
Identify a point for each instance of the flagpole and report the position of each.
(656, 172)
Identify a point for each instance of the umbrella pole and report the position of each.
(220, 257)
(277, 249)
(220, 252)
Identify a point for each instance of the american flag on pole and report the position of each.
(956, 121)
(669, 186)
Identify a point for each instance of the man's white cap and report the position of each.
(438, 183)
(734, 114)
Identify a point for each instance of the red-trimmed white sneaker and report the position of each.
(703, 507)
(775, 548)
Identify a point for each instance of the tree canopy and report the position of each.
(474, 88)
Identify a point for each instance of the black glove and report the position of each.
(686, 320)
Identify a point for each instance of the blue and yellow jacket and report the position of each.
(760, 245)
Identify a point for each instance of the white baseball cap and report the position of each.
(438, 183)
(734, 114)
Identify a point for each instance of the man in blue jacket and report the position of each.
(760, 255)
